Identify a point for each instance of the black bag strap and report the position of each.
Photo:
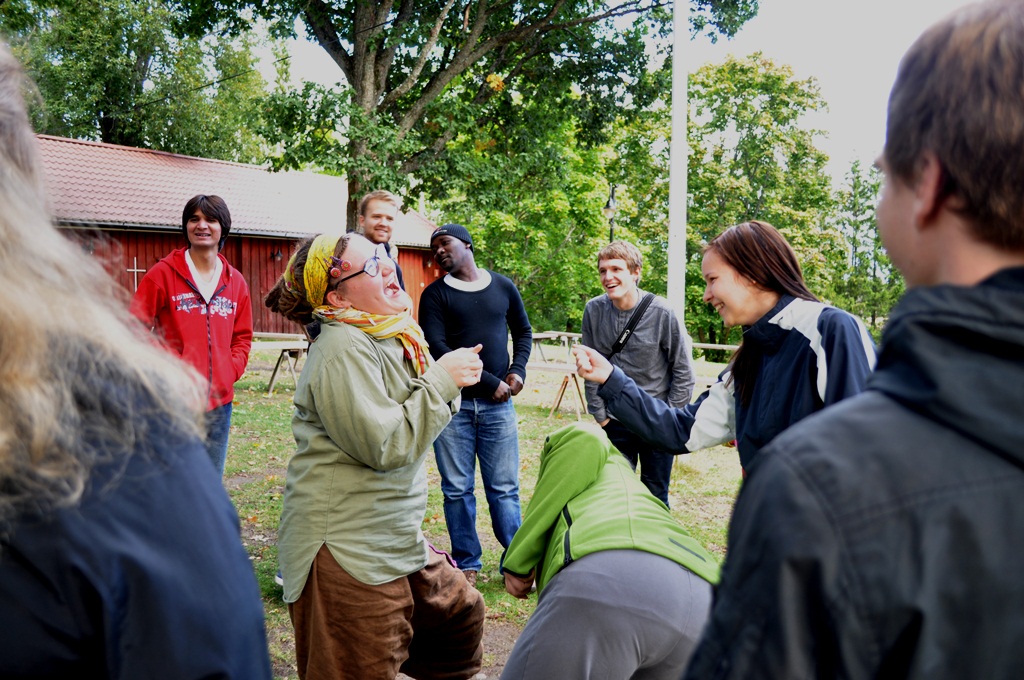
(627, 332)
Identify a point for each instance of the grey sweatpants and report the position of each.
(614, 615)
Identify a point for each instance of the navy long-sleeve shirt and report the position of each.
(453, 314)
(144, 577)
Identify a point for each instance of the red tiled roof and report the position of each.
(119, 186)
(105, 185)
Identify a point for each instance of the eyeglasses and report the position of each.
(371, 267)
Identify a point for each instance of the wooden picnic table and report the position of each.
(540, 337)
(704, 379)
(291, 347)
(706, 345)
(564, 338)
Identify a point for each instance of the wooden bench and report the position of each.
(291, 347)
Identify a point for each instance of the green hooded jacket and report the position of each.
(588, 499)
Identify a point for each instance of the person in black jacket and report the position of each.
(884, 537)
(117, 560)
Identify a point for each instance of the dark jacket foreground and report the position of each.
(145, 578)
(884, 537)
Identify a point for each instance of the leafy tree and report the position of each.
(112, 70)
(750, 158)
(869, 285)
(532, 195)
(638, 166)
(421, 74)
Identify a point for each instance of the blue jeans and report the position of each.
(218, 426)
(484, 429)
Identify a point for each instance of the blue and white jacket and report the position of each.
(812, 355)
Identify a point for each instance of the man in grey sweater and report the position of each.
(657, 356)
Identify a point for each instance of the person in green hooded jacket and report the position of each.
(622, 588)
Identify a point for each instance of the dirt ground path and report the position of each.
(499, 638)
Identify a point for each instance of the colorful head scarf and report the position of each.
(318, 263)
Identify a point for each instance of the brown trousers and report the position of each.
(428, 625)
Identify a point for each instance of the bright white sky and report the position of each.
(852, 48)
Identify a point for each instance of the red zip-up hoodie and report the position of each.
(214, 337)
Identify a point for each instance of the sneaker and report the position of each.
(279, 578)
(470, 576)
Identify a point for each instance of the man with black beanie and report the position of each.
(468, 307)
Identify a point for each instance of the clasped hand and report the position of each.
(508, 388)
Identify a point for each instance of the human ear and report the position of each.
(336, 300)
(929, 195)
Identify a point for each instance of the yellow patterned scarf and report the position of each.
(383, 326)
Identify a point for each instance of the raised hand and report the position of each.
(463, 365)
(591, 365)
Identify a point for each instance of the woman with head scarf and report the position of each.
(368, 596)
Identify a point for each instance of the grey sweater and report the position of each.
(657, 356)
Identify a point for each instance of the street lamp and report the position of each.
(609, 212)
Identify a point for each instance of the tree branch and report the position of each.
(467, 56)
(317, 18)
(387, 55)
(417, 69)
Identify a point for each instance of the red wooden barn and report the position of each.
(124, 205)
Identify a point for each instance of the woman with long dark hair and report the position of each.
(797, 356)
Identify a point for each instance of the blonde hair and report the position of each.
(622, 250)
(80, 379)
(379, 195)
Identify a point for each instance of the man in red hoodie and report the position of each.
(199, 306)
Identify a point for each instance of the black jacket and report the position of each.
(884, 536)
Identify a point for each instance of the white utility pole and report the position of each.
(678, 155)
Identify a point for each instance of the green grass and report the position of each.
(703, 488)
